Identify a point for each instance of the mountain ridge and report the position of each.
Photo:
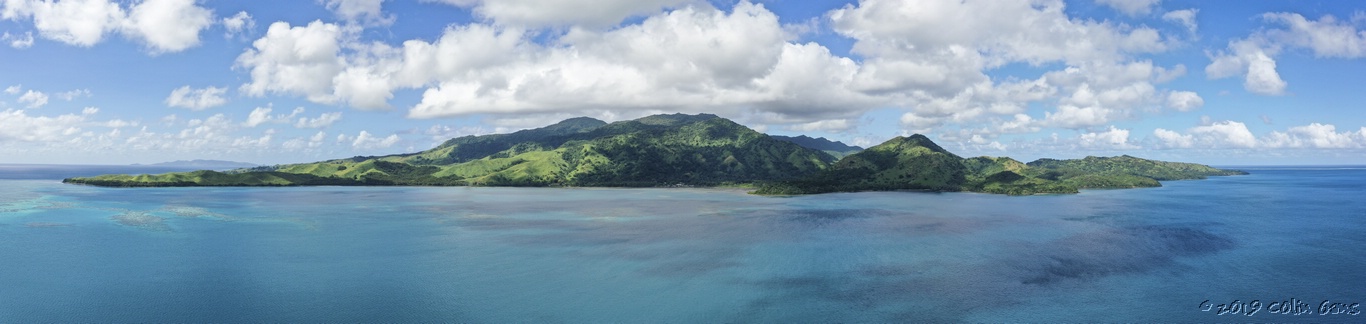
(690, 150)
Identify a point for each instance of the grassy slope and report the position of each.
(695, 150)
(651, 151)
(917, 163)
(900, 163)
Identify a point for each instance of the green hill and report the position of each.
(690, 150)
(660, 150)
(917, 163)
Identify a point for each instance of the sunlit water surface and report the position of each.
(499, 255)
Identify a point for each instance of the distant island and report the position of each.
(690, 150)
(202, 164)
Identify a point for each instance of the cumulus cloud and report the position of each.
(1230, 134)
(261, 115)
(1113, 138)
(18, 41)
(1316, 135)
(934, 54)
(833, 125)
(930, 59)
(690, 59)
(367, 141)
(363, 11)
(1020, 123)
(238, 24)
(1185, 18)
(73, 94)
(1131, 7)
(563, 13)
(14, 89)
(162, 25)
(300, 60)
(1326, 37)
(1075, 117)
(1184, 100)
(197, 99)
(311, 142)
(1029, 31)
(34, 99)
(322, 121)
(76, 22)
(1254, 57)
(17, 125)
(1224, 134)
(167, 25)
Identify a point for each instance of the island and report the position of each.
(701, 150)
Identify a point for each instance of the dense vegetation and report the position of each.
(690, 150)
(660, 150)
(917, 163)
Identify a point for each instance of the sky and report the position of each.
(272, 82)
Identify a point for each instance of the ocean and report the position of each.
(1283, 244)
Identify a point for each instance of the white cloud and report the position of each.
(364, 11)
(168, 25)
(14, 89)
(366, 141)
(1316, 135)
(1184, 100)
(311, 142)
(261, 115)
(34, 99)
(298, 60)
(1186, 18)
(920, 124)
(929, 58)
(1174, 139)
(73, 94)
(1114, 138)
(18, 125)
(1020, 123)
(76, 22)
(932, 56)
(1001, 31)
(1224, 134)
(833, 125)
(1230, 134)
(1254, 56)
(1248, 58)
(322, 121)
(563, 13)
(1262, 77)
(238, 24)
(17, 41)
(162, 25)
(1074, 117)
(1131, 7)
(197, 99)
(686, 60)
(1326, 37)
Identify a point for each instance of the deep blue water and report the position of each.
(497, 255)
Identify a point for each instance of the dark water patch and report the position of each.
(1115, 251)
(824, 217)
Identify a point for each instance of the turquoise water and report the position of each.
(498, 255)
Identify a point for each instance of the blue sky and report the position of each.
(1226, 83)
